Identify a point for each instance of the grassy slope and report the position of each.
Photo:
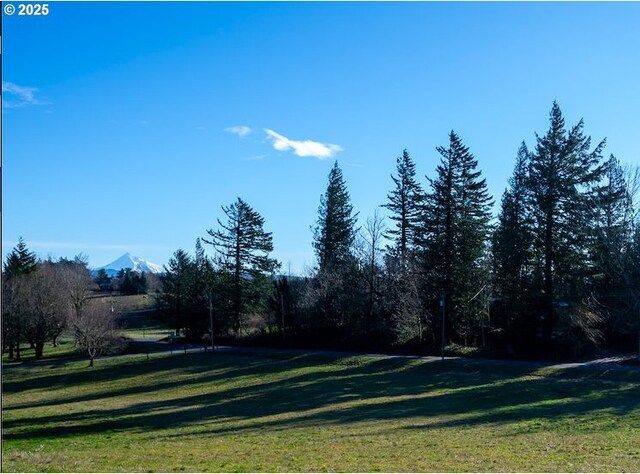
(227, 412)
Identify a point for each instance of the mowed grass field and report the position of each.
(282, 412)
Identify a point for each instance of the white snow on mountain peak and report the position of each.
(134, 263)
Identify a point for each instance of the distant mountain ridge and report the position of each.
(136, 264)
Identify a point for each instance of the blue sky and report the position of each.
(118, 118)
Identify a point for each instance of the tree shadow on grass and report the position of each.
(275, 397)
(212, 370)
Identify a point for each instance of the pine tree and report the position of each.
(612, 249)
(513, 238)
(175, 299)
(20, 261)
(457, 214)
(335, 232)
(563, 173)
(244, 248)
(335, 295)
(512, 252)
(19, 265)
(614, 223)
(405, 203)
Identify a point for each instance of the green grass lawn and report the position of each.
(226, 412)
(63, 350)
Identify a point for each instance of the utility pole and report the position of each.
(211, 321)
(282, 313)
(442, 305)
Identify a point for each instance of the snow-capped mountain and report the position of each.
(134, 263)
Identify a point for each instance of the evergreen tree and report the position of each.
(405, 203)
(512, 254)
(103, 279)
(334, 233)
(19, 265)
(20, 261)
(613, 225)
(133, 282)
(244, 248)
(335, 294)
(175, 299)
(512, 239)
(457, 214)
(562, 176)
(613, 249)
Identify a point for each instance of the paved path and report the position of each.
(615, 363)
(147, 346)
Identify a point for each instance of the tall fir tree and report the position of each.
(513, 237)
(457, 215)
(334, 233)
(512, 252)
(612, 249)
(175, 299)
(563, 173)
(405, 203)
(244, 248)
(335, 295)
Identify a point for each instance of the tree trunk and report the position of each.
(17, 341)
(91, 362)
(39, 347)
(547, 326)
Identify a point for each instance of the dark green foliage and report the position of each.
(457, 214)
(133, 283)
(513, 264)
(102, 279)
(336, 294)
(20, 261)
(513, 237)
(405, 203)
(614, 256)
(183, 299)
(243, 249)
(334, 233)
(563, 173)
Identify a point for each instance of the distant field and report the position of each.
(126, 303)
(225, 412)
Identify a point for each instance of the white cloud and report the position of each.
(302, 148)
(240, 130)
(18, 96)
(201, 127)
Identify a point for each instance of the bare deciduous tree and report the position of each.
(95, 330)
(44, 306)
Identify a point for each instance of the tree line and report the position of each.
(555, 274)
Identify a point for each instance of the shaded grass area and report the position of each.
(143, 325)
(64, 350)
(238, 412)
